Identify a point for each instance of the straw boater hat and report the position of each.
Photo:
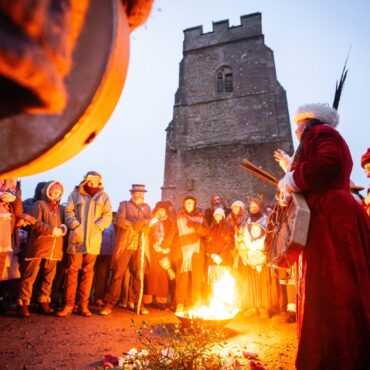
(322, 112)
(140, 188)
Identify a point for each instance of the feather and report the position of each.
(339, 86)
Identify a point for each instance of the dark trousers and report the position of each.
(101, 276)
(127, 259)
(3, 256)
(32, 267)
(84, 262)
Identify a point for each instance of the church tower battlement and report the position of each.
(250, 26)
(229, 105)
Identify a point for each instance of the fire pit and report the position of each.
(221, 309)
(187, 321)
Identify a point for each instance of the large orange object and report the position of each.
(33, 143)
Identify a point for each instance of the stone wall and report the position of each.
(212, 130)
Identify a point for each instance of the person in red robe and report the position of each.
(333, 310)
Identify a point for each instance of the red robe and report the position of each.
(333, 270)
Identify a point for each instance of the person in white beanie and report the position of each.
(333, 288)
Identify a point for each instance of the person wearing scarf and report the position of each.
(87, 214)
(192, 228)
(333, 310)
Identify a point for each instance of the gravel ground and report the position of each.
(47, 342)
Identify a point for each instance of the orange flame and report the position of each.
(223, 304)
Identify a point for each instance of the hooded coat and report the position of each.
(41, 242)
(87, 217)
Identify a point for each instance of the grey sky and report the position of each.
(310, 40)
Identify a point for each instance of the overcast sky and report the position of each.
(310, 41)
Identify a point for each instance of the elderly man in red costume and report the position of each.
(333, 269)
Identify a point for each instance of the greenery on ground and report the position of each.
(198, 346)
(177, 348)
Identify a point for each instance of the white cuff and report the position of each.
(287, 184)
(292, 187)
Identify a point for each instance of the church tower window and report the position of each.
(224, 80)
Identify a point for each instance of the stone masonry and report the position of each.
(229, 105)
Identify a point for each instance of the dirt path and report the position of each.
(76, 342)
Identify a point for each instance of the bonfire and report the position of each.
(223, 305)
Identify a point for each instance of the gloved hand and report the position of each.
(57, 232)
(216, 258)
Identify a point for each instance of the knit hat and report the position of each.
(238, 203)
(92, 176)
(365, 158)
(322, 112)
(219, 211)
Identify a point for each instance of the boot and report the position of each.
(84, 311)
(23, 309)
(46, 309)
(67, 311)
(105, 311)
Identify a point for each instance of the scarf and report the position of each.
(189, 239)
(91, 191)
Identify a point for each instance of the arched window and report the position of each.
(224, 80)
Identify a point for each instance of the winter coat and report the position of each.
(161, 237)
(221, 242)
(130, 221)
(86, 217)
(333, 271)
(41, 243)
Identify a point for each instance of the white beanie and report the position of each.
(219, 211)
(238, 203)
(322, 112)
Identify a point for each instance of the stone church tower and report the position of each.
(229, 106)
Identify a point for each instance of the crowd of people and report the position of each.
(79, 254)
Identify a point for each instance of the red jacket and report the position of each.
(333, 271)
